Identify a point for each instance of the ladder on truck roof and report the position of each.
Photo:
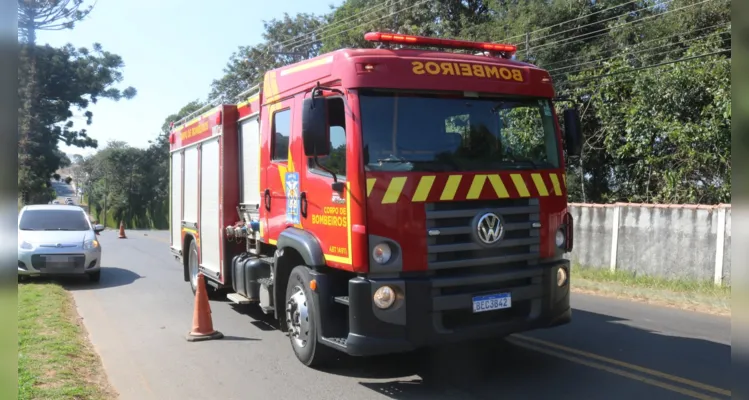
(213, 103)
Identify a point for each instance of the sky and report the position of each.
(172, 51)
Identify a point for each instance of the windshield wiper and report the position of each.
(58, 229)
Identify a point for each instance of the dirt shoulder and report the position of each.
(55, 358)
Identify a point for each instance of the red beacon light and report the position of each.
(507, 49)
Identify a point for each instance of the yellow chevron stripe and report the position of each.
(451, 187)
(394, 190)
(538, 180)
(476, 186)
(555, 183)
(564, 178)
(370, 185)
(422, 191)
(498, 186)
(517, 179)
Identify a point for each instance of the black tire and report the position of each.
(312, 354)
(212, 292)
(95, 276)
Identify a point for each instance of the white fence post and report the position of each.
(719, 244)
(614, 237)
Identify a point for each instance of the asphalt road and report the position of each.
(140, 312)
(64, 190)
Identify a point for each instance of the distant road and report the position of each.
(140, 312)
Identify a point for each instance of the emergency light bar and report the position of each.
(437, 42)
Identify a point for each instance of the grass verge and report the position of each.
(684, 294)
(55, 359)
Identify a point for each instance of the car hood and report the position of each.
(54, 237)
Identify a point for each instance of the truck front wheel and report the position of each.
(300, 312)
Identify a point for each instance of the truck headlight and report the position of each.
(384, 297)
(382, 253)
(90, 244)
(559, 238)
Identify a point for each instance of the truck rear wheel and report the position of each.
(300, 312)
(192, 270)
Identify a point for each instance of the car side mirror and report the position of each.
(572, 132)
(315, 131)
(98, 228)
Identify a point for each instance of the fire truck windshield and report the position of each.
(419, 132)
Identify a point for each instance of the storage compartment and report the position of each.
(247, 270)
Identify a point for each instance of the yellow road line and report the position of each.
(612, 370)
(623, 364)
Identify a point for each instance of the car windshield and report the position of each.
(418, 132)
(53, 220)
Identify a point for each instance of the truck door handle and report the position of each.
(303, 204)
(266, 199)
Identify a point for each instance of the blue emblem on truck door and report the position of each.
(292, 197)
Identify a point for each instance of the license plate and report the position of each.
(492, 302)
(57, 259)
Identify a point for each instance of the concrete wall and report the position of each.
(669, 241)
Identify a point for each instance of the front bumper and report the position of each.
(76, 261)
(438, 310)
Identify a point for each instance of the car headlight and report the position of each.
(384, 297)
(382, 253)
(90, 244)
(26, 245)
(559, 238)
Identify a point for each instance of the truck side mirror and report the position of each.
(315, 131)
(572, 132)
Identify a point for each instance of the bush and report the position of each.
(56, 177)
(68, 180)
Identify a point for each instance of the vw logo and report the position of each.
(489, 228)
(58, 245)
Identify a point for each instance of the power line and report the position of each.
(601, 21)
(329, 27)
(545, 45)
(546, 66)
(566, 22)
(364, 24)
(633, 52)
(633, 70)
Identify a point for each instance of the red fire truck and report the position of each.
(381, 200)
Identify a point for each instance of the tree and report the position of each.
(51, 80)
(68, 180)
(283, 41)
(56, 177)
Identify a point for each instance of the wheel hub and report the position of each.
(297, 317)
(194, 268)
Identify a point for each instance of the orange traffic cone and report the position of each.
(202, 324)
(122, 231)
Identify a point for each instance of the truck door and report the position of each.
(328, 211)
(281, 181)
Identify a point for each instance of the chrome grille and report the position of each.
(455, 247)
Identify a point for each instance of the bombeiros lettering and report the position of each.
(194, 131)
(467, 69)
(331, 216)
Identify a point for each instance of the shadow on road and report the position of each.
(484, 369)
(110, 277)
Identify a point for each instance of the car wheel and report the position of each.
(95, 276)
(300, 313)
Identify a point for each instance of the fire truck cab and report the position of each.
(381, 200)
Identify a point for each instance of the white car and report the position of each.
(58, 240)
